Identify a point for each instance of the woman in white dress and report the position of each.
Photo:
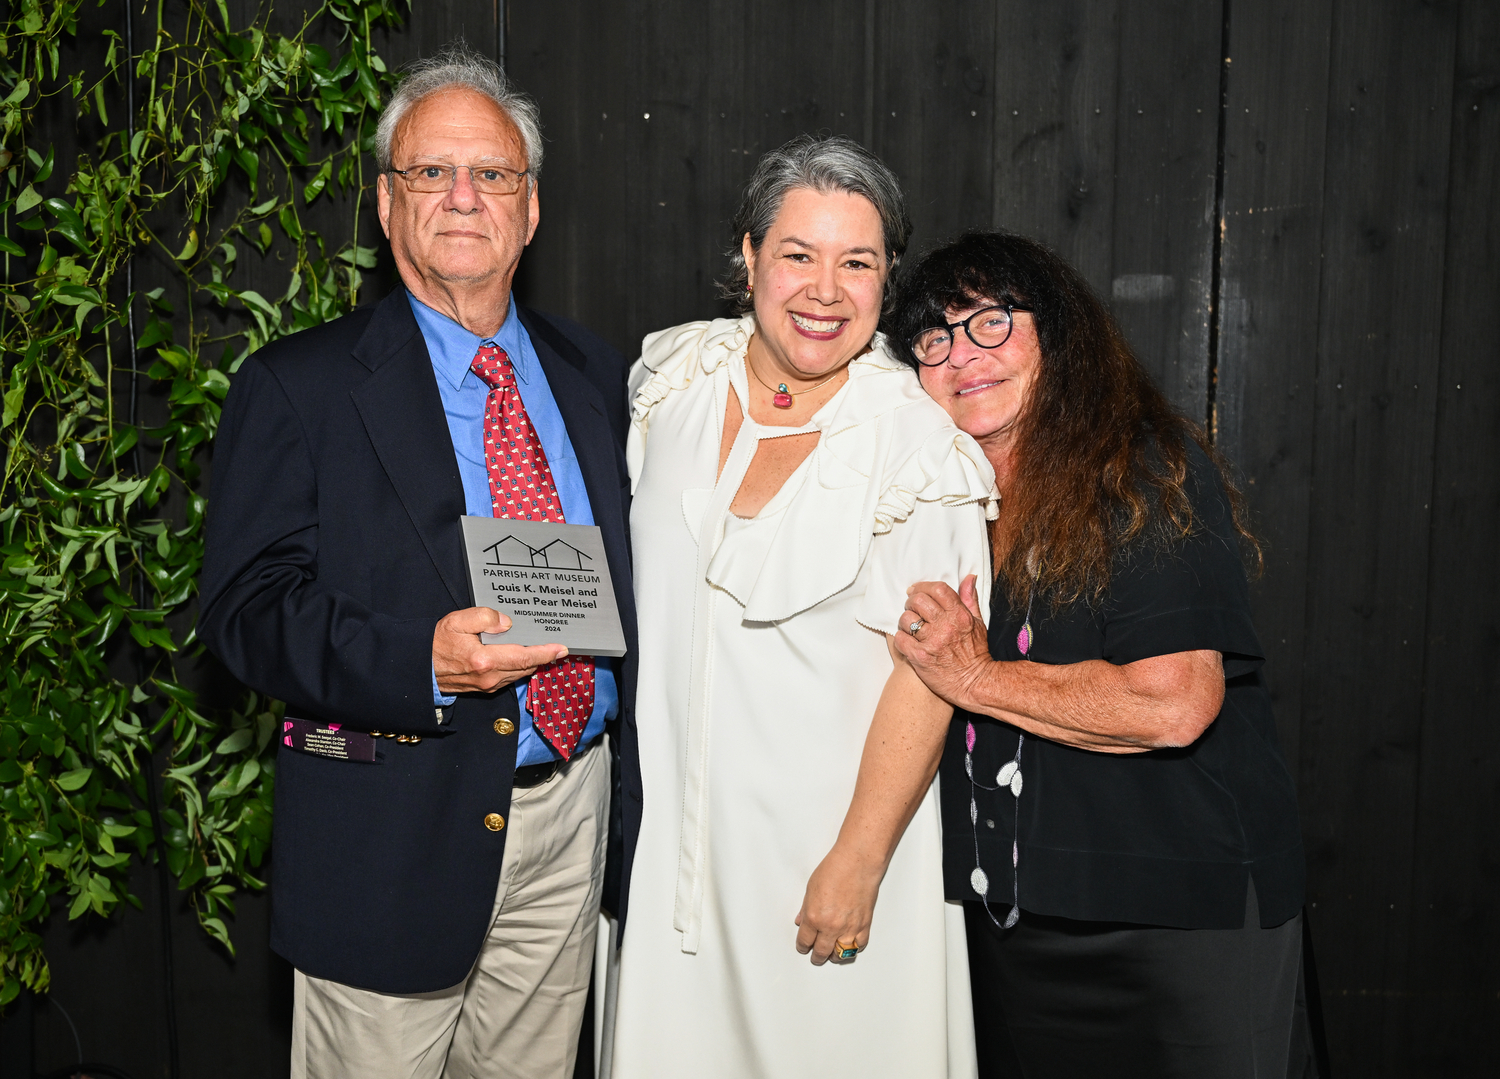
(791, 479)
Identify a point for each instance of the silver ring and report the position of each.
(914, 626)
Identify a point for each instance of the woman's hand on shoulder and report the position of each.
(950, 648)
(838, 906)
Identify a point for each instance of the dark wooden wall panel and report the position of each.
(1390, 85)
(233, 1014)
(585, 93)
(1166, 154)
(107, 977)
(1057, 69)
(431, 26)
(1453, 1019)
(1270, 273)
(933, 117)
(657, 114)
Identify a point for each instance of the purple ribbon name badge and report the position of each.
(320, 740)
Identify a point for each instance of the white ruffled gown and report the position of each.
(761, 664)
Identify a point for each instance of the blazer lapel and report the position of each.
(403, 416)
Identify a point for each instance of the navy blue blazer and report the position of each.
(333, 549)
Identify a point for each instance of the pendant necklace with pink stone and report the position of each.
(782, 397)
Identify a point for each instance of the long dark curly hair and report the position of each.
(1100, 458)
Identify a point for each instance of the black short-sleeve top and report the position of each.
(1162, 838)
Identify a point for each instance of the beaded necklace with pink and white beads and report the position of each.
(1008, 776)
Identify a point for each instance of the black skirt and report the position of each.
(1056, 998)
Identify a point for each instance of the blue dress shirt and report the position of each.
(452, 349)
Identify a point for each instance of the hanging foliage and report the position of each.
(234, 133)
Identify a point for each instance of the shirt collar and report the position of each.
(452, 347)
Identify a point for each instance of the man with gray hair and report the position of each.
(442, 804)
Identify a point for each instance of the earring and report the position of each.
(749, 293)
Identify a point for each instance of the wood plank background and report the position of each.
(1291, 206)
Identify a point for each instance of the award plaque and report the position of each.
(551, 580)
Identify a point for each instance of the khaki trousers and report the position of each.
(517, 1014)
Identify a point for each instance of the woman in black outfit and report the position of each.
(1117, 815)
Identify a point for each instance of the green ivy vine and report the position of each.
(235, 133)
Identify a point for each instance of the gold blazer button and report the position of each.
(494, 822)
(504, 726)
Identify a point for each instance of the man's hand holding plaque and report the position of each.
(463, 664)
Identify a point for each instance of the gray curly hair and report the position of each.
(457, 65)
(823, 163)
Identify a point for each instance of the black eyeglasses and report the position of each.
(485, 179)
(988, 327)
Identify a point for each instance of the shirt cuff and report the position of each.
(437, 696)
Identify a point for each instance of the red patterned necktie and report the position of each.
(560, 696)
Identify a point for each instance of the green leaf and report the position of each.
(121, 440)
(27, 199)
(71, 781)
(73, 295)
(179, 693)
(14, 399)
(315, 186)
(235, 780)
(69, 223)
(289, 223)
(265, 726)
(44, 167)
(10, 247)
(190, 248)
(216, 929)
(252, 298)
(249, 164)
(236, 741)
(161, 638)
(157, 331)
(363, 257)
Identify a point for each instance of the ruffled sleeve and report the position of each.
(949, 469)
(670, 360)
(930, 525)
